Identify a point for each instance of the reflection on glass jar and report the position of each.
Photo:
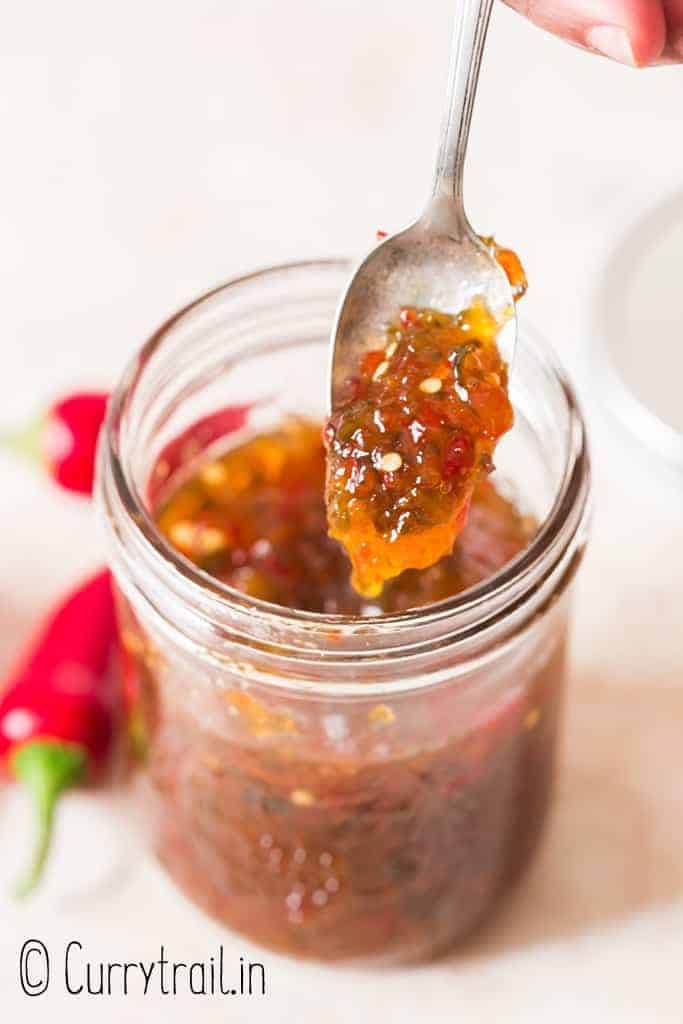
(335, 787)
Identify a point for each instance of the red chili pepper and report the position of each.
(65, 439)
(59, 706)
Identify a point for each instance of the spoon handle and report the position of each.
(467, 47)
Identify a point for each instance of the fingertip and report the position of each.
(629, 31)
(647, 31)
(633, 32)
(613, 42)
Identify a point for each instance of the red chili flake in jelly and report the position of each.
(459, 456)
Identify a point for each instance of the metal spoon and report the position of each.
(438, 262)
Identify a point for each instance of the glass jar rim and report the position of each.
(461, 613)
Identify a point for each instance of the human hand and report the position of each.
(636, 32)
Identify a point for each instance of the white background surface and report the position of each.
(150, 150)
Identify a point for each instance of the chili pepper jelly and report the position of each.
(255, 518)
(335, 775)
(414, 433)
(511, 264)
(374, 834)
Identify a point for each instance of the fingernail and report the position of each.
(612, 42)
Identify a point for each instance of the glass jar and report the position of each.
(335, 787)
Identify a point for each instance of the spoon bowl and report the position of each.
(443, 267)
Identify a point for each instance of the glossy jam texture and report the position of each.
(511, 264)
(415, 433)
(378, 827)
(254, 517)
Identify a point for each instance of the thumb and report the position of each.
(629, 31)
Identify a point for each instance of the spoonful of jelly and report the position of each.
(419, 369)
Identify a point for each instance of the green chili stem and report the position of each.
(27, 441)
(46, 768)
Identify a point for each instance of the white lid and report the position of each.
(642, 351)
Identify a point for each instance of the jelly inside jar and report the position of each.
(254, 517)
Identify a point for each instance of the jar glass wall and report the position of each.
(334, 787)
